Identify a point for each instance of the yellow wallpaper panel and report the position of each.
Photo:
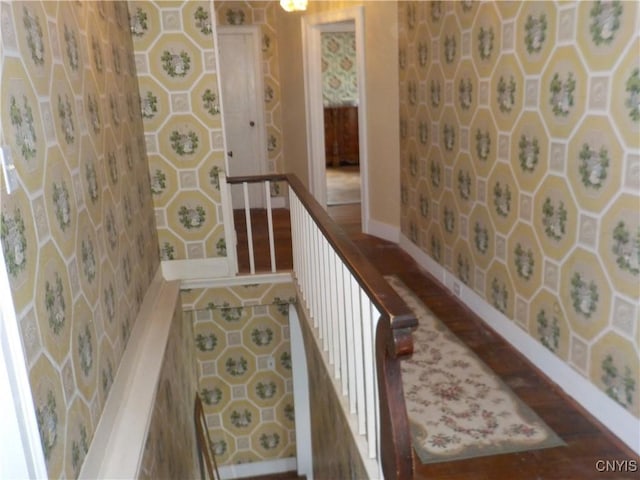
(520, 152)
(180, 102)
(244, 357)
(78, 234)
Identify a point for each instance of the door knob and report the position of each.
(230, 153)
(252, 123)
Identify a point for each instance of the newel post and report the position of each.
(396, 451)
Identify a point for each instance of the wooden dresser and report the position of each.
(341, 135)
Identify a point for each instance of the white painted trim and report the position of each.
(191, 269)
(383, 230)
(312, 26)
(254, 469)
(304, 453)
(21, 453)
(230, 237)
(118, 444)
(618, 420)
(281, 277)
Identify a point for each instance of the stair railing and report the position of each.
(363, 326)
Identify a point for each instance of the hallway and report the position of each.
(587, 442)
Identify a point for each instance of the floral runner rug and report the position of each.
(458, 408)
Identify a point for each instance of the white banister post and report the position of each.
(359, 358)
(230, 238)
(341, 335)
(272, 250)
(322, 289)
(351, 354)
(369, 373)
(247, 217)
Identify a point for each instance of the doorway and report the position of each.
(244, 120)
(313, 28)
(340, 102)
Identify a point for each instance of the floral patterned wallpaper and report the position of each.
(339, 71)
(78, 234)
(180, 102)
(264, 14)
(520, 161)
(244, 361)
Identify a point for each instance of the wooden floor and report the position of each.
(587, 442)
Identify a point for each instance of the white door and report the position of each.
(241, 90)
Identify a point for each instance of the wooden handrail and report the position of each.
(393, 333)
(377, 288)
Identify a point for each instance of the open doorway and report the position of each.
(340, 102)
(336, 132)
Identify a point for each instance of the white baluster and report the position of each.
(322, 292)
(351, 351)
(340, 370)
(369, 372)
(247, 217)
(272, 251)
(359, 356)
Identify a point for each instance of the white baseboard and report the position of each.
(618, 420)
(196, 268)
(237, 280)
(255, 469)
(382, 230)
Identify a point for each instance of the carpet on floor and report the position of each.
(458, 408)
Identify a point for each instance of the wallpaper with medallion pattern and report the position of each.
(78, 234)
(244, 369)
(520, 168)
(180, 102)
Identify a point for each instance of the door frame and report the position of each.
(312, 27)
(254, 31)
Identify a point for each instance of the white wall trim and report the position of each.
(618, 420)
(282, 277)
(304, 453)
(254, 469)
(21, 454)
(118, 444)
(197, 268)
(383, 230)
(230, 238)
